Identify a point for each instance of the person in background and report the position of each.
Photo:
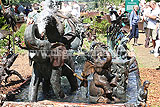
(2, 7)
(147, 10)
(16, 9)
(134, 18)
(152, 25)
(158, 23)
(142, 2)
(26, 11)
(32, 16)
(1, 14)
(141, 9)
(21, 9)
(12, 9)
(156, 50)
(121, 9)
(76, 9)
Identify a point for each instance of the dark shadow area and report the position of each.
(140, 44)
(141, 31)
(14, 83)
(158, 68)
(137, 45)
(150, 46)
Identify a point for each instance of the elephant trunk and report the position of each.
(29, 36)
(31, 40)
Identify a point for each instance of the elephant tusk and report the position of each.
(74, 74)
(80, 78)
(32, 46)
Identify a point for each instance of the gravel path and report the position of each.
(148, 65)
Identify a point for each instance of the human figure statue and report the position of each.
(142, 95)
(122, 49)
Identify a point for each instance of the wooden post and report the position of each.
(13, 43)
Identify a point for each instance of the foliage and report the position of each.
(102, 3)
(2, 21)
(25, 1)
(102, 39)
(20, 33)
(3, 26)
(87, 20)
(86, 44)
(100, 26)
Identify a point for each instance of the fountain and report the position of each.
(103, 76)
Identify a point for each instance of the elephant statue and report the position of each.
(49, 58)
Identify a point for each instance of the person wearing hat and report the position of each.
(142, 95)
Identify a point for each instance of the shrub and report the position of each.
(101, 26)
(20, 33)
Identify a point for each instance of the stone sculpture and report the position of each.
(142, 95)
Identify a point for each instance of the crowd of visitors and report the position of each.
(67, 7)
(16, 10)
(152, 30)
(149, 14)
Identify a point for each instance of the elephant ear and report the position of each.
(58, 54)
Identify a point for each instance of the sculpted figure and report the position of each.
(48, 66)
(5, 65)
(142, 95)
(74, 33)
(122, 49)
(101, 86)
